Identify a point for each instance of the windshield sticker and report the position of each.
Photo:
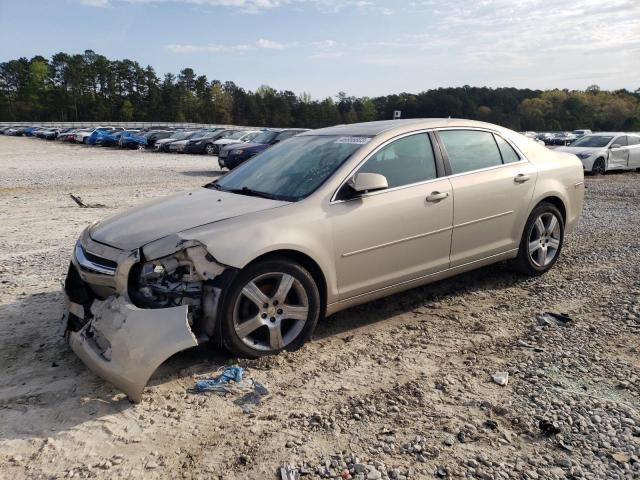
(354, 140)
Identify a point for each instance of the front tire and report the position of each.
(271, 306)
(541, 241)
(598, 167)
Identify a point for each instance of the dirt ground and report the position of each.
(399, 388)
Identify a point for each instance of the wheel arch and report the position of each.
(556, 202)
(304, 260)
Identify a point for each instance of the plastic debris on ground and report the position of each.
(549, 428)
(501, 378)
(551, 318)
(219, 383)
(252, 399)
(288, 473)
(230, 382)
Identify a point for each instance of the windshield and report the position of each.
(592, 141)
(250, 136)
(235, 135)
(265, 137)
(290, 170)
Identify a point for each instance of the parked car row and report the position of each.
(558, 138)
(232, 145)
(604, 151)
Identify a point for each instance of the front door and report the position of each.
(619, 153)
(403, 232)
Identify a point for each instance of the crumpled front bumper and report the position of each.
(123, 343)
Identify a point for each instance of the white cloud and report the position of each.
(255, 6)
(261, 43)
(95, 3)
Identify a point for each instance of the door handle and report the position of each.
(521, 178)
(437, 196)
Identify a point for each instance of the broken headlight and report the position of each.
(167, 282)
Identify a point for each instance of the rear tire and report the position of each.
(271, 306)
(541, 241)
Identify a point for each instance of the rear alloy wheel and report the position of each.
(141, 147)
(209, 149)
(541, 241)
(271, 306)
(598, 167)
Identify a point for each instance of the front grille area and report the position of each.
(105, 262)
(90, 262)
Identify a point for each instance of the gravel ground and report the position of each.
(399, 388)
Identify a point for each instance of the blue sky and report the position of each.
(364, 47)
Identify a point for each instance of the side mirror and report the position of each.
(367, 182)
(615, 145)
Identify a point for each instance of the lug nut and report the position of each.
(265, 305)
(279, 311)
(273, 319)
(264, 315)
(275, 302)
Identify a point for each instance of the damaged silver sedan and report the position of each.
(323, 221)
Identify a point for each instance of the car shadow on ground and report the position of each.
(45, 388)
(491, 278)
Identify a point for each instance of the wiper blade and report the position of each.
(252, 193)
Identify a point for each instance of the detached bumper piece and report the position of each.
(125, 344)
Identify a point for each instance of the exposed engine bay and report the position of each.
(185, 278)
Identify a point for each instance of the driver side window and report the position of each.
(404, 161)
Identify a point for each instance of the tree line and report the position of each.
(90, 87)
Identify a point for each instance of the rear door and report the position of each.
(493, 187)
(619, 153)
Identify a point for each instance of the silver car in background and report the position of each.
(317, 223)
(601, 152)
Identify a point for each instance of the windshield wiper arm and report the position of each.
(252, 193)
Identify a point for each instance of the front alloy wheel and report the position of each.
(271, 306)
(209, 149)
(598, 167)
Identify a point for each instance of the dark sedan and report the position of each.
(204, 143)
(232, 156)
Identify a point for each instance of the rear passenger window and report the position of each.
(622, 141)
(405, 161)
(470, 150)
(633, 140)
(509, 155)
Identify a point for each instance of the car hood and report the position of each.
(148, 222)
(577, 150)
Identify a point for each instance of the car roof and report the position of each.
(376, 128)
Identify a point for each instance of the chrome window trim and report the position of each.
(523, 159)
(333, 200)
